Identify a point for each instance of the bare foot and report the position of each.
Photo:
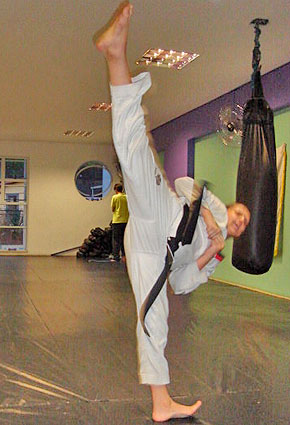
(174, 410)
(113, 39)
(164, 408)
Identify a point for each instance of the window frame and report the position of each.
(101, 194)
(3, 202)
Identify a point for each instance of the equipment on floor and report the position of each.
(64, 250)
(257, 176)
(97, 245)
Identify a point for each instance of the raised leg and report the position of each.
(112, 43)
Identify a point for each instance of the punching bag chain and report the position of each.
(256, 51)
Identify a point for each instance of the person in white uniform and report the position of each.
(155, 213)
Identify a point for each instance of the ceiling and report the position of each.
(51, 73)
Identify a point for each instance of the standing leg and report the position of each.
(116, 241)
(112, 44)
(123, 228)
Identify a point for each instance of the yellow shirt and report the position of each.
(119, 208)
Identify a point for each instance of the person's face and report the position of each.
(238, 219)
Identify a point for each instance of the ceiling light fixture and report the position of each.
(78, 133)
(167, 58)
(101, 107)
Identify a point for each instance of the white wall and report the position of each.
(58, 216)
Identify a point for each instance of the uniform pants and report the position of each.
(155, 212)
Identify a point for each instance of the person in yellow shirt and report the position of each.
(120, 218)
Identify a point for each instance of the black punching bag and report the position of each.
(257, 185)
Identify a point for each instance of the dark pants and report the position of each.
(118, 239)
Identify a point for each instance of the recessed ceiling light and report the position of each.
(100, 106)
(167, 58)
(78, 133)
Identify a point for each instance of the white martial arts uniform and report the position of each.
(155, 213)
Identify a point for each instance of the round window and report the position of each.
(93, 180)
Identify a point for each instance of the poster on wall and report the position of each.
(281, 174)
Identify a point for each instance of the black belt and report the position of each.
(184, 234)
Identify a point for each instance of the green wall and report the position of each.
(219, 164)
(161, 158)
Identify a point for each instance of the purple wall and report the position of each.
(172, 137)
(176, 153)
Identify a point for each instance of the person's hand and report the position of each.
(218, 243)
(212, 228)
